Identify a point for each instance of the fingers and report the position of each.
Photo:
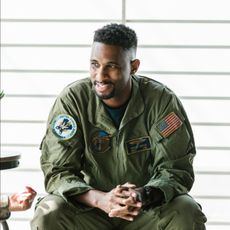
(125, 190)
(123, 202)
(26, 197)
(30, 190)
(29, 194)
(25, 204)
(126, 195)
(128, 185)
(126, 212)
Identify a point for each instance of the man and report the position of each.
(118, 149)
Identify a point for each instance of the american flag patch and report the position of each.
(169, 124)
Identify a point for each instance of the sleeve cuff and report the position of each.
(74, 188)
(4, 207)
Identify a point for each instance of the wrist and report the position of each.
(90, 198)
(97, 199)
(150, 196)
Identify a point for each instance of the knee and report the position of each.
(47, 212)
(189, 212)
(185, 205)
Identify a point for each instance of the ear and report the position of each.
(134, 66)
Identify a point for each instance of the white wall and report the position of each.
(184, 44)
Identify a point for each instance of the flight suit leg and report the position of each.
(183, 213)
(54, 213)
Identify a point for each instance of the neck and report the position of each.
(114, 103)
(119, 100)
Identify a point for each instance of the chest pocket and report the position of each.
(100, 142)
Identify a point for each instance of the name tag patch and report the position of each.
(138, 145)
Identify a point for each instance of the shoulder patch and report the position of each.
(169, 124)
(64, 126)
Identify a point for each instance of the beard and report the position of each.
(104, 96)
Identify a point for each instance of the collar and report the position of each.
(98, 116)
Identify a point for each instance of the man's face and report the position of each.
(110, 68)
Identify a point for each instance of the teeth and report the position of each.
(101, 84)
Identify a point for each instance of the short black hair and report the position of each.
(118, 35)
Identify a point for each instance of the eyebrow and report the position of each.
(110, 62)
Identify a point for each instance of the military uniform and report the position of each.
(83, 150)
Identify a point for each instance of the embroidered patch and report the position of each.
(100, 141)
(169, 124)
(138, 144)
(64, 126)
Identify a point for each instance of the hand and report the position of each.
(122, 203)
(22, 201)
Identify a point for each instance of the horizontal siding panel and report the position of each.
(75, 9)
(16, 108)
(14, 180)
(212, 161)
(189, 34)
(151, 59)
(196, 85)
(215, 210)
(208, 110)
(37, 83)
(22, 133)
(45, 58)
(48, 33)
(212, 136)
(30, 109)
(184, 60)
(177, 9)
(211, 185)
(53, 83)
(217, 227)
(148, 33)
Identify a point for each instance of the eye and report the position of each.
(113, 66)
(94, 64)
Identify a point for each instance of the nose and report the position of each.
(101, 74)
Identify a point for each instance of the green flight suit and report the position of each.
(153, 146)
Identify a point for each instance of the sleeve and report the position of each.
(174, 150)
(62, 149)
(4, 207)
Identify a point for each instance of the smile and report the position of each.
(103, 87)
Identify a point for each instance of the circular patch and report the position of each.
(64, 126)
(100, 141)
